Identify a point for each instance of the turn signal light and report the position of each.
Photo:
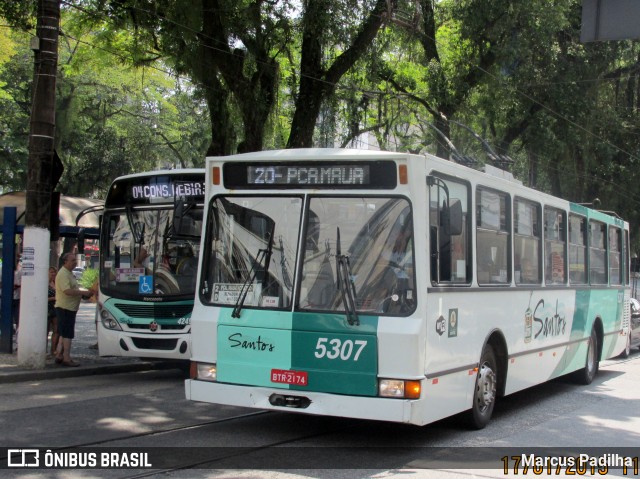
(403, 175)
(412, 389)
(398, 388)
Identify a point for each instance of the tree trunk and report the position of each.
(43, 117)
(222, 135)
(316, 83)
(35, 259)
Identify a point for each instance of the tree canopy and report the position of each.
(149, 83)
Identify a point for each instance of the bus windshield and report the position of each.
(250, 251)
(150, 252)
(376, 234)
(252, 242)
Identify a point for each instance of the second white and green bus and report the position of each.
(149, 247)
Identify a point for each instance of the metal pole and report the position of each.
(8, 264)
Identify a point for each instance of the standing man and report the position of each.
(68, 296)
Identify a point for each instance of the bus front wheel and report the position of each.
(484, 394)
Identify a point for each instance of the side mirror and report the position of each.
(451, 218)
(455, 217)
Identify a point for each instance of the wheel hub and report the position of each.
(486, 387)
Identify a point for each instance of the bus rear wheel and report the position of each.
(587, 374)
(485, 392)
(627, 349)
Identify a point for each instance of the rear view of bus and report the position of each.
(149, 247)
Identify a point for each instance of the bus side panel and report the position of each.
(615, 342)
(607, 305)
(447, 395)
(454, 338)
(536, 328)
(204, 324)
(401, 346)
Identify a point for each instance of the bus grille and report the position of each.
(163, 327)
(155, 343)
(156, 311)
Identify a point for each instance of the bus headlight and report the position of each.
(109, 321)
(204, 371)
(398, 388)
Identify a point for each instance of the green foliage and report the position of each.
(111, 118)
(20, 13)
(88, 278)
(16, 70)
(562, 115)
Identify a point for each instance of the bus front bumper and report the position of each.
(161, 346)
(357, 407)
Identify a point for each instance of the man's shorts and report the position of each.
(66, 322)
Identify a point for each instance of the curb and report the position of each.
(89, 370)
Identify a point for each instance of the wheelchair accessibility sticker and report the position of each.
(145, 285)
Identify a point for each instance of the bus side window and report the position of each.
(493, 237)
(598, 272)
(615, 255)
(448, 231)
(577, 249)
(555, 245)
(526, 241)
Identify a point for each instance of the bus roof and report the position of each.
(309, 153)
(176, 171)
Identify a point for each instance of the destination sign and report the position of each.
(311, 174)
(156, 188)
(352, 175)
(167, 190)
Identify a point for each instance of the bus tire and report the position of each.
(586, 375)
(485, 390)
(627, 349)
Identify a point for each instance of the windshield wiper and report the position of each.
(345, 283)
(286, 277)
(264, 255)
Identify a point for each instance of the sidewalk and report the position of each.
(90, 362)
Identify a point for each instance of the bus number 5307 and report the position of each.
(334, 349)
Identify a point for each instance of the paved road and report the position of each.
(148, 409)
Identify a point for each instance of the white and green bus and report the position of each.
(396, 287)
(149, 246)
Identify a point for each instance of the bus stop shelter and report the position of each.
(75, 215)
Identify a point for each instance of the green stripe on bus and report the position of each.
(334, 356)
(589, 305)
(250, 346)
(339, 357)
